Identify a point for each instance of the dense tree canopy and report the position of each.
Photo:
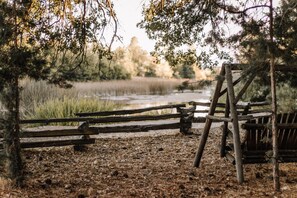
(219, 24)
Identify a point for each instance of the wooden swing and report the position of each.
(253, 149)
(257, 146)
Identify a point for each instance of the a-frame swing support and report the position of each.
(231, 108)
(231, 101)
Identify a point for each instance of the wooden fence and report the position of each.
(95, 123)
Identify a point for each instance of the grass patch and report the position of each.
(68, 107)
(40, 100)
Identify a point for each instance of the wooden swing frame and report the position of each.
(230, 110)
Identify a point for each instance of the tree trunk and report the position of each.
(11, 144)
(274, 106)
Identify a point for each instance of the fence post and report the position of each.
(186, 119)
(83, 126)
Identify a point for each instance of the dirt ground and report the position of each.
(147, 166)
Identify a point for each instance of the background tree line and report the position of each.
(132, 61)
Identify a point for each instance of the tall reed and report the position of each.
(137, 85)
(68, 107)
(42, 100)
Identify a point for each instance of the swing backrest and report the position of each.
(259, 136)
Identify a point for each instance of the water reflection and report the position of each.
(142, 101)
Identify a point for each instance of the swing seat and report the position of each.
(257, 146)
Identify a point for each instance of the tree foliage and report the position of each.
(220, 25)
(50, 34)
(37, 38)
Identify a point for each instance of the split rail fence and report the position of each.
(119, 121)
(95, 123)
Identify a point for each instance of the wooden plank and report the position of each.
(134, 128)
(202, 120)
(55, 143)
(53, 120)
(130, 111)
(292, 132)
(225, 129)
(206, 111)
(219, 118)
(224, 119)
(207, 104)
(105, 119)
(268, 126)
(259, 104)
(135, 118)
(55, 133)
(208, 122)
(278, 67)
(234, 116)
(244, 88)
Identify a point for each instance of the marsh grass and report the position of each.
(36, 93)
(68, 107)
(141, 86)
(41, 100)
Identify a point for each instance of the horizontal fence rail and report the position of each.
(130, 111)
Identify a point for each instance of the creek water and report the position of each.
(142, 101)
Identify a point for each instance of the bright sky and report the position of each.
(129, 14)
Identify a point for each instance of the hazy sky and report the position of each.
(129, 14)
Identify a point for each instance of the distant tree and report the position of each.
(44, 40)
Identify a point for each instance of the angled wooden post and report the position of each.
(225, 129)
(208, 122)
(234, 116)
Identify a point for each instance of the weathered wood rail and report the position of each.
(184, 114)
(94, 123)
(244, 110)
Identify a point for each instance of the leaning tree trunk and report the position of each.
(11, 144)
(274, 106)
